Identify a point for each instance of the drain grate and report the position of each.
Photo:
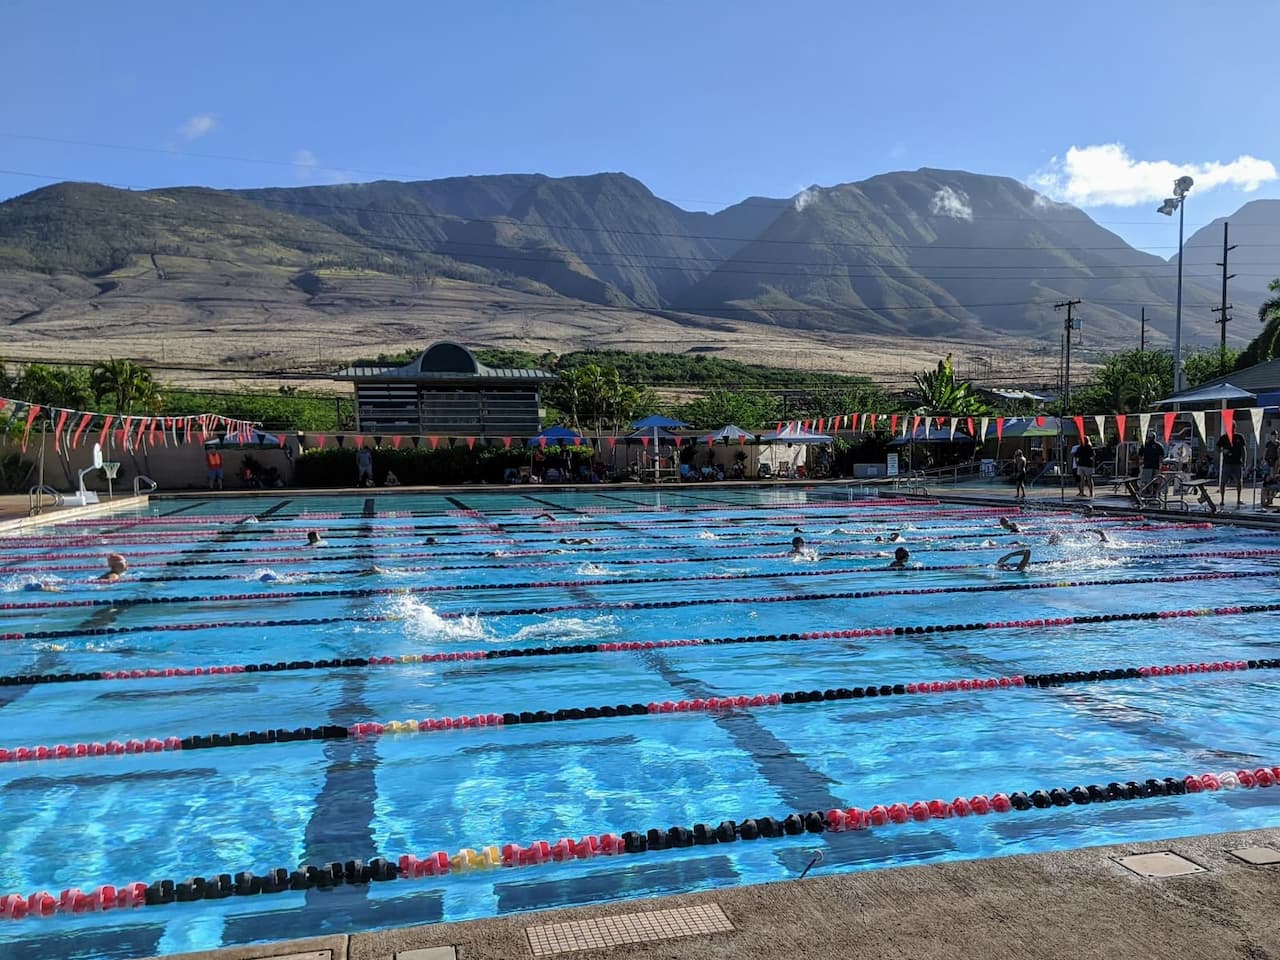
(554, 938)
(1166, 863)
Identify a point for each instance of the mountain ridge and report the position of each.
(923, 253)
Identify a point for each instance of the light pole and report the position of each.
(1181, 187)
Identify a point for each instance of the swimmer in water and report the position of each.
(1054, 539)
(1017, 560)
(117, 567)
(545, 516)
(41, 586)
(1102, 534)
(576, 541)
(900, 558)
(797, 547)
(313, 539)
(1010, 525)
(891, 538)
(429, 541)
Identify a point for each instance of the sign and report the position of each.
(891, 465)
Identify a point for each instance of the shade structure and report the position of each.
(731, 432)
(931, 434)
(658, 420)
(255, 440)
(1022, 428)
(1210, 393)
(794, 436)
(557, 434)
(653, 433)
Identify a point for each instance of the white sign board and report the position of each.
(891, 465)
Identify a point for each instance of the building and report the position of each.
(447, 391)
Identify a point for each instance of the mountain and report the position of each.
(1255, 232)
(930, 253)
(934, 251)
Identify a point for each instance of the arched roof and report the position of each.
(445, 361)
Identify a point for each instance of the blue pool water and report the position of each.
(80, 822)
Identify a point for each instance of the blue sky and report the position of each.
(706, 102)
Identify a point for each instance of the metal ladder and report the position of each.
(35, 503)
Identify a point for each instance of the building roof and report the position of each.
(1260, 378)
(445, 362)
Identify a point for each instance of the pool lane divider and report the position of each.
(506, 563)
(372, 729)
(620, 646)
(442, 863)
(285, 596)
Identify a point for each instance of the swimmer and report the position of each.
(1054, 539)
(797, 547)
(1010, 525)
(313, 539)
(268, 576)
(41, 586)
(987, 543)
(576, 541)
(429, 541)
(1102, 534)
(796, 530)
(373, 571)
(1017, 560)
(891, 538)
(900, 558)
(1088, 509)
(117, 566)
(545, 516)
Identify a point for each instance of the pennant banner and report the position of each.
(1197, 419)
(1255, 415)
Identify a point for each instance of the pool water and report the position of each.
(410, 575)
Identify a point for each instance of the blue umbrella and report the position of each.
(557, 434)
(658, 420)
(655, 423)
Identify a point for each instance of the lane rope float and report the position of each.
(282, 596)
(621, 646)
(106, 897)
(373, 729)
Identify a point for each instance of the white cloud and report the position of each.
(805, 197)
(1106, 174)
(201, 125)
(949, 202)
(306, 166)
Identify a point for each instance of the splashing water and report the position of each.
(423, 623)
(707, 535)
(595, 570)
(30, 582)
(568, 628)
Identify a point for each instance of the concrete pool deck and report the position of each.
(1079, 904)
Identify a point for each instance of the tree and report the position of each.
(125, 385)
(941, 392)
(721, 407)
(48, 386)
(1266, 345)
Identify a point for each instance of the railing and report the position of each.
(35, 502)
(139, 480)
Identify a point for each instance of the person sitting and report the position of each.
(901, 556)
(511, 475)
(1017, 560)
(717, 472)
(391, 480)
(117, 567)
(686, 472)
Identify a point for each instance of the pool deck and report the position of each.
(1079, 904)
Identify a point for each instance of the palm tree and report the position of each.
(125, 383)
(941, 392)
(1266, 345)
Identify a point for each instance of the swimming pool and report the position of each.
(624, 726)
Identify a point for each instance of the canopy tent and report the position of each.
(1025, 428)
(794, 436)
(1216, 393)
(931, 434)
(256, 440)
(731, 433)
(557, 435)
(658, 420)
(654, 434)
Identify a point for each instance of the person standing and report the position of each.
(1075, 470)
(1152, 454)
(1085, 456)
(1019, 476)
(1231, 470)
(213, 463)
(364, 467)
(1271, 453)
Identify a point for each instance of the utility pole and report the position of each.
(1142, 335)
(1065, 398)
(1223, 318)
